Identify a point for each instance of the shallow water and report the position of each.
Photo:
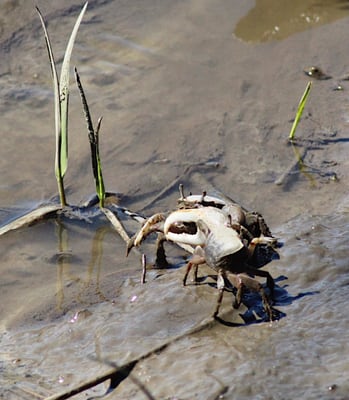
(185, 98)
(276, 20)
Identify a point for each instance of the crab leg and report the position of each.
(237, 281)
(264, 274)
(160, 260)
(197, 258)
(221, 278)
(241, 281)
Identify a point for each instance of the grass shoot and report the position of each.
(61, 99)
(299, 112)
(93, 136)
(61, 96)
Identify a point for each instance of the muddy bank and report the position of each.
(185, 98)
(238, 360)
(173, 94)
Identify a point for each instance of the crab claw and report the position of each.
(271, 241)
(153, 224)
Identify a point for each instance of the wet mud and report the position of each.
(189, 94)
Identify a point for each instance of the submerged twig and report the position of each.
(116, 373)
(144, 268)
(114, 383)
(113, 374)
(116, 224)
(30, 218)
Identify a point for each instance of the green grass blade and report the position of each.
(299, 111)
(94, 144)
(64, 93)
(90, 129)
(55, 82)
(57, 112)
(85, 107)
(100, 182)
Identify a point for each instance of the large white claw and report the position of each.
(186, 216)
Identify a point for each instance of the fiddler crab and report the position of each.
(221, 234)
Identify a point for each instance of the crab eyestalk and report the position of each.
(61, 96)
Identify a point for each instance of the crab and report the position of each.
(251, 220)
(217, 235)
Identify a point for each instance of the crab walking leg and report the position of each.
(266, 304)
(221, 278)
(264, 274)
(241, 281)
(161, 260)
(237, 281)
(196, 259)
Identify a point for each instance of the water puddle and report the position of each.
(276, 20)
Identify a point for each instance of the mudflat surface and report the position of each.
(201, 93)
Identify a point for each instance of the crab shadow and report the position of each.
(254, 311)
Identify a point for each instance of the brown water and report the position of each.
(187, 96)
(276, 20)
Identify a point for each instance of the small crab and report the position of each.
(216, 237)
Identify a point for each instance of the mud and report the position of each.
(187, 96)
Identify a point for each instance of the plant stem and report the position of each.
(299, 113)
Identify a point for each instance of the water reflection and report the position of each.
(276, 20)
(65, 260)
(315, 174)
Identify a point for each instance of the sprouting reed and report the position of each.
(61, 91)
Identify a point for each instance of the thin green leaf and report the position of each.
(57, 112)
(299, 111)
(64, 93)
(90, 129)
(94, 143)
(100, 181)
(55, 82)
(85, 107)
